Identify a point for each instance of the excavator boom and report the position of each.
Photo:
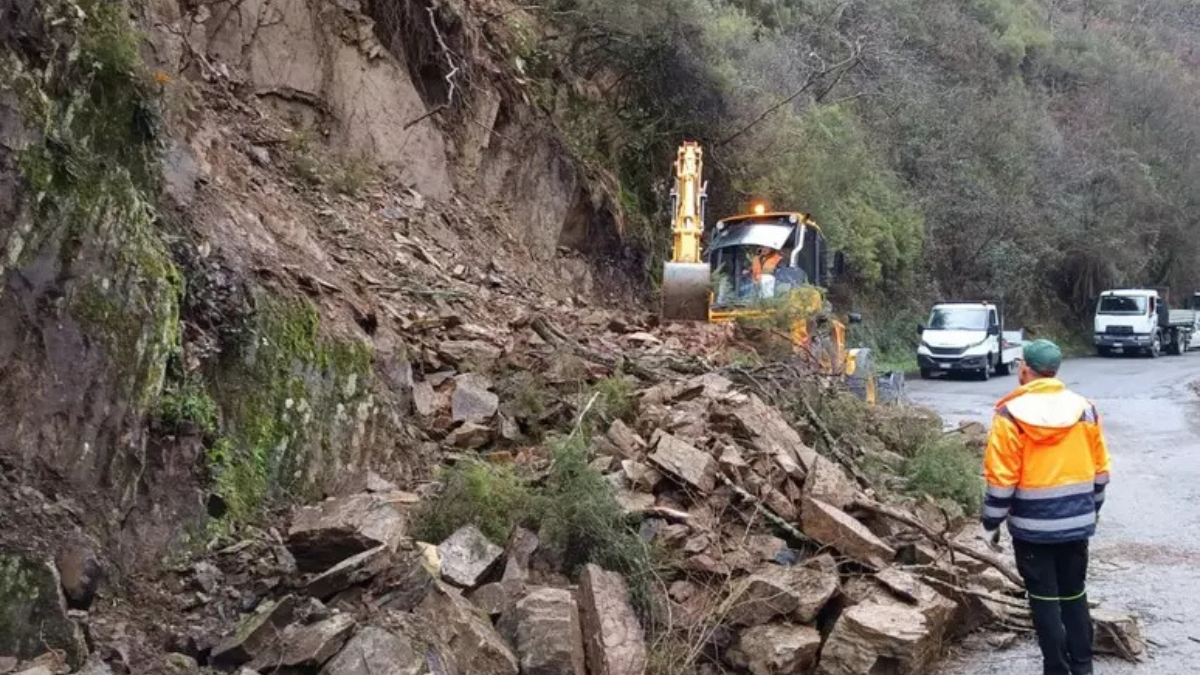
(686, 285)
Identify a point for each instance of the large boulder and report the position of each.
(776, 650)
(467, 556)
(325, 534)
(455, 623)
(830, 526)
(775, 591)
(374, 651)
(33, 611)
(544, 628)
(615, 643)
(885, 634)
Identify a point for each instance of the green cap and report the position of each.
(1042, 356)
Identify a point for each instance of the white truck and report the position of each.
(1139, 320)
(967, 337)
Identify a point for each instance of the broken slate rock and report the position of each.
(883, 634)
(767, 431)
(374, 651)
(497, 598)
(476, 646)
(256, 634)
(33, 611)
(327, 533)
(641, 476)
(425, 399)
(470, 436)
(544, 628)
(625, 439)
(830, 526)
(776, 650)
(467, 556)
(469, 354)
(614, 641)
(1117, 634)
(521, 545)
(471, 401)
(308, 646)
(828, 482)
(799, 593)
(356, 569)
(681, 459)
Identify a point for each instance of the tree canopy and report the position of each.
(1032, 151)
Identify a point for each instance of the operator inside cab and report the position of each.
(764, 266)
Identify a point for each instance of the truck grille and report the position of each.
(946, 351)
(1119, 330)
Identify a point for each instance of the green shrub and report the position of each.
(494, 499)
(614, 398)
(947, 469)
(584, 524)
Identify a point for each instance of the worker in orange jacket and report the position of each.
(1047, 468)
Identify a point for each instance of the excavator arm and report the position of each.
(686, 285)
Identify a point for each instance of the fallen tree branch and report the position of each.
(986, 558)
(766, 510)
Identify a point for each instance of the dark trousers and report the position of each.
(1055, 577)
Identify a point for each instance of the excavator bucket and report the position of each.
(685, 291)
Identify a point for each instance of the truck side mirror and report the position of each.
(854, 317)
(994, 329)
(920, 328)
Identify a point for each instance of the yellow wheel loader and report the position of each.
(756, 266)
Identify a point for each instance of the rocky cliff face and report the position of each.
(192, 195)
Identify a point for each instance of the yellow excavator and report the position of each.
(755, 266)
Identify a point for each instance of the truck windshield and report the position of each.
(1122, 304)
(958, 318)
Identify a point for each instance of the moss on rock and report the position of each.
(33, 614)
(294, 402)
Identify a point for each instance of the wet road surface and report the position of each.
(1146, 554)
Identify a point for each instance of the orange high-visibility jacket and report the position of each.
(1046, 464)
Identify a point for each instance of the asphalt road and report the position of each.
(1146, 554)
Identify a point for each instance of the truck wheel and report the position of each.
(1177, 344)
(1103, 351)
(1003, 368)
(1155, 348)
(926, 374)
(985, 373)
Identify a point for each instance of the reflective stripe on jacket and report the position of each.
(1046, 464)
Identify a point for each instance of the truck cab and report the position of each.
(966, 337)
(1139, 320)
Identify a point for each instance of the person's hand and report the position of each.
(993, 540)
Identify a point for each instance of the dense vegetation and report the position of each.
(1033, 151)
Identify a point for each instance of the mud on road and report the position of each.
(1146, 553)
